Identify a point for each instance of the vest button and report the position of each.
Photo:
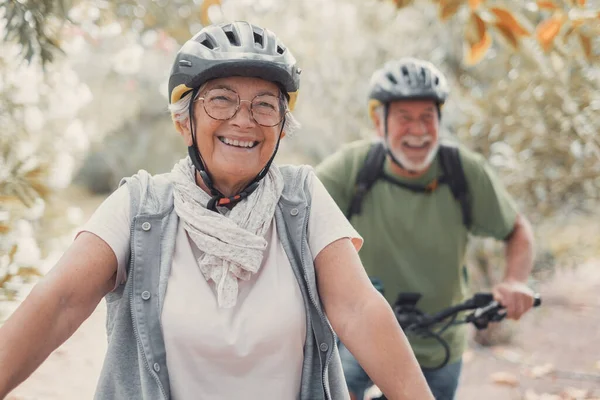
(156, 367)
(146, 226)
(323, 347)
(294, 212)
(145, 295)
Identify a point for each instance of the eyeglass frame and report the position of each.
(285, 109)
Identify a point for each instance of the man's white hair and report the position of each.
(180, 112)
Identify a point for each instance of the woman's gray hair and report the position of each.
(180, 111)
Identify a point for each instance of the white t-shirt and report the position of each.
(253, 350)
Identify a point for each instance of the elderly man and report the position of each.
(415, 200)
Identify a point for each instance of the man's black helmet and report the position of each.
(407, 79)
(233, 49)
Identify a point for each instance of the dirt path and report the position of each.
(71, 372)
(556, 352)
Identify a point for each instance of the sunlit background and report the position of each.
(83, 102)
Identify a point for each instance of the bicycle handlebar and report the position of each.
(414, 321)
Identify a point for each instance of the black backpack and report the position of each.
(452, 174)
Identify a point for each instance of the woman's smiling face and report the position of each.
(237, 147)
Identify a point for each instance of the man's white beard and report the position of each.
(417, 166)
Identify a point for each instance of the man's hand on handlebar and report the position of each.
(516, 297)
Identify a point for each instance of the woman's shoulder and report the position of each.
(296, 174)
(150, 194)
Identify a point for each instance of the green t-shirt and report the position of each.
(416, 242)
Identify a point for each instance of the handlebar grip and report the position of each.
(537, 300)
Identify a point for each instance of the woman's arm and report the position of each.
(366, 324)
(55, 308)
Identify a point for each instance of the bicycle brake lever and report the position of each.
(482, 316)
(492, 306)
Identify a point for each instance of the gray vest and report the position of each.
(135, 365)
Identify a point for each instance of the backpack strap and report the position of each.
(454, 176)
(368, 174)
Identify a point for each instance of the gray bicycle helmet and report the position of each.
(407, 79)
(233, 49)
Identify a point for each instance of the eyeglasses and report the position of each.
(223, 104)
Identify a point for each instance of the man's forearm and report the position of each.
(520, 252)
(388, 358)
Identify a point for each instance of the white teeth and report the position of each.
(237, 143)
(416, 141)
(416, 144)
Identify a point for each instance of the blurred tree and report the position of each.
(38, 25)
(511, 22)
(35, 25)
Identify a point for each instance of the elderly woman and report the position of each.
(227, 277)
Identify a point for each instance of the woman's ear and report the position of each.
(183, 127)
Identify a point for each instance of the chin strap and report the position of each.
(218, 198)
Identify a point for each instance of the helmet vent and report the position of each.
(258, 39)
(436, 81)
(392, 78)
(207, 41)
(280, 49)
(232, 38)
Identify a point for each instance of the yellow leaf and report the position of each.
(448, 8)
(547, 30)
(6, 278)
(474, 4)
(478, 40)
(546, 5)
(402, 3)
(35, 173)
(25, 272)
(41, 189)
(508, 35)
(581, 3)
(586, 43)
(206, 4)
(12, 252)
(505, 17)
(6, 200)
(475, 29)
(4, 229)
